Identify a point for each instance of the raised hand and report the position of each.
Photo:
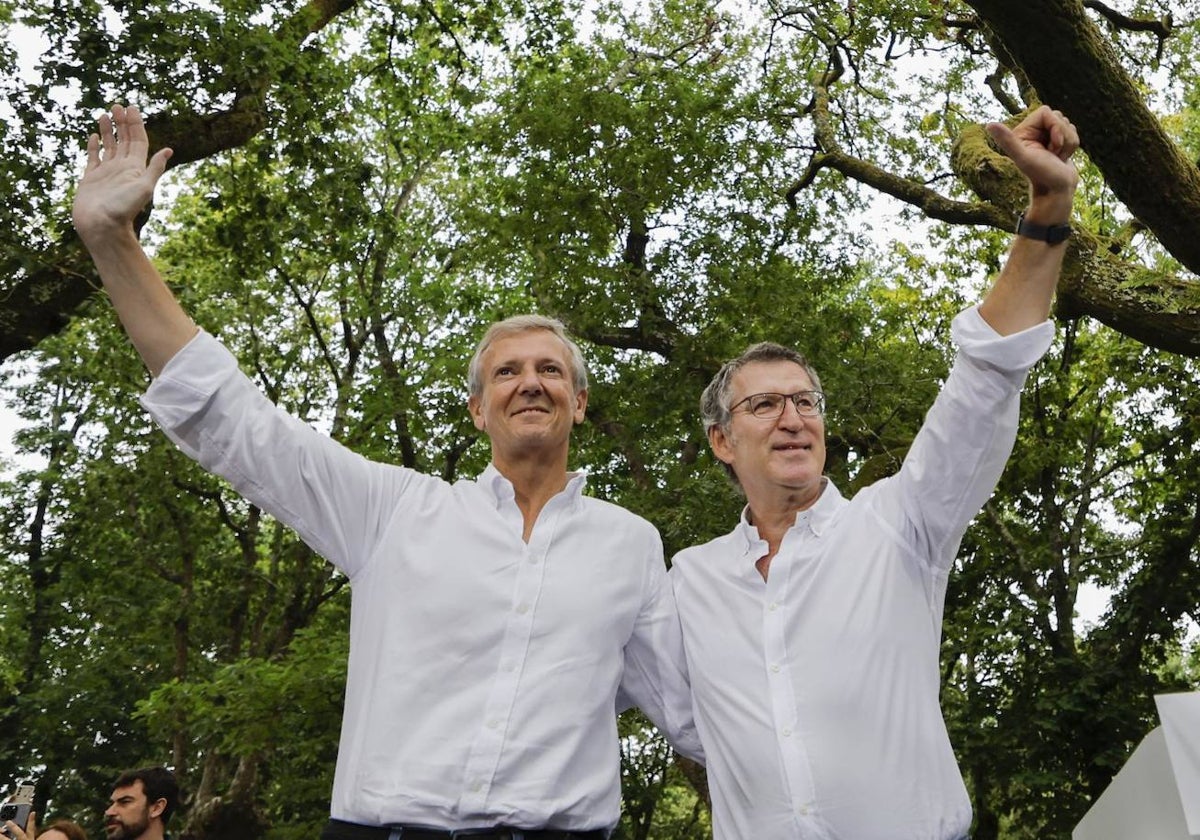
(118, 181)
(1041, 146)
(25, 832)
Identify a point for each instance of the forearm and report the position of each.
(337, 501)
(1023, 292)
(967, 436)
(156, 323)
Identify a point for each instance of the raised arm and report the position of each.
(1041, 147)
(117, 183)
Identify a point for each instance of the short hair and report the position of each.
(714, 401)
(158, 782)
(73, 830)
(520, 324)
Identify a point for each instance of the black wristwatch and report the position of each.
(1051, 234)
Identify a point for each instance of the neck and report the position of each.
(774, 514)
(534, 483)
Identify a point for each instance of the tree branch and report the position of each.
(1161, 28)
(1074, 68)
(41, 298)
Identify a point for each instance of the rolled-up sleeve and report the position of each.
(1014, 354)
(331, 496)
(964, 444)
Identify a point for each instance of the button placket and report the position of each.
(488, 745)
(782, 687)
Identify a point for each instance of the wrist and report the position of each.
(102, 235)
(1052, 234)
(1050, 207)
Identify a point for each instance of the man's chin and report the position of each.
(537, 437)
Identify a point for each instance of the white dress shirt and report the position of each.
(816, 691)
(483, 669)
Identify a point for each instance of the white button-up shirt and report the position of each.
(816, 691)
(483, 669)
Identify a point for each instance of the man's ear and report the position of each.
(475, 407)
(580, 406)
(721, 446)
(157, 807)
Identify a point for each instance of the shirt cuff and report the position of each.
(188, 380)
(1017, 352)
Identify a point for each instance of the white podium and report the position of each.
(1156, 796)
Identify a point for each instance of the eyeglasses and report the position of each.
(770, 406)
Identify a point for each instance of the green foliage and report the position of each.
(1088, 497)
(427, 168)
(656, 801)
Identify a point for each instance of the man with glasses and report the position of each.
(812, 629)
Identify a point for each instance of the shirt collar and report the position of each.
(500, 489)
(816, 519)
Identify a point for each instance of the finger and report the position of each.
(158, 163)
(1036, 123)
(1004, 137)
(1067, 138)
(1054, 138)
(1054, 131)
(1070, 140)
(108, 138)
(93, 152)
(134, 132)
(1015, 147)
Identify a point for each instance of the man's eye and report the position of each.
(764, 402)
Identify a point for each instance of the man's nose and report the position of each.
(790, 417)
(530, 380)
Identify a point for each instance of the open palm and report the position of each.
(118, 181)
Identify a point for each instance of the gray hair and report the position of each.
(520, 324)
(714, 401)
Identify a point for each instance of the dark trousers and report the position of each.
(341, 830)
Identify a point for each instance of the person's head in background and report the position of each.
(62, 830)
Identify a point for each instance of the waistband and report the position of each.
(342, 830)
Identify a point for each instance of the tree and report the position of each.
(1046, 712)
(674, 185)
(249, 75)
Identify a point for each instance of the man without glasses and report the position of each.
(141, 804)
(492, 622)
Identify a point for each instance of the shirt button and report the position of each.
(773, 606)
(774, 669)
(787, 732)
(509, 667)
(476, 786)
(492, 724)
(522, 609)
(534, 560)
(804, 810)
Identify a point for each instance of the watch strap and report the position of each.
(1051, 234)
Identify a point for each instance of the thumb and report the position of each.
(158, 163)
(1004, 137)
